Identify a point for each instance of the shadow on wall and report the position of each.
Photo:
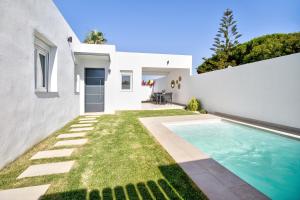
(175, 185)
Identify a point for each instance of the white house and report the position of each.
(120, 76)
(48, 77)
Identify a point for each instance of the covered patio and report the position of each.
(158, 92)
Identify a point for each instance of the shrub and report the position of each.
(194, 105)
(203, 111)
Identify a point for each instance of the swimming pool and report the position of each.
(267, 161)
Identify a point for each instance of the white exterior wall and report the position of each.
(179, 95)
(267, 90)
(146, 92)
(28, 117)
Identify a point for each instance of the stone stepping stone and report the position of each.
(52, 154)
(47, 169)
(87, 121)
(81, 129)
(71, 135)
(25, 193)
(76, 142)
(74, 132)
(81, 125)
(87, 116)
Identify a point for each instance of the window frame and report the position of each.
(130, 74)
(41, 48)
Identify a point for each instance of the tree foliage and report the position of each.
(95, 37)
(227, 36)
(257, 49)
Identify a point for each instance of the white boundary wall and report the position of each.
(268, 90)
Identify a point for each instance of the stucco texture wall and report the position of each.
(267, 90)
(28, 117)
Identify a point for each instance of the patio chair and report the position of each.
(167, 97)
(155, 97)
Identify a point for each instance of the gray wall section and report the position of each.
(26, 117)
(268, 90)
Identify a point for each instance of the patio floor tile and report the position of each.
(47, 169)
(81, 125)
(81, 129)
(71, 142)
(25, 193)
(71, 135)
(52, 154)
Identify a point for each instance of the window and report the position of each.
(126, 80)
(41, 56)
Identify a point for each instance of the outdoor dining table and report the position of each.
(159, 96)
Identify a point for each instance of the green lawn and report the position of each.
(121, 161)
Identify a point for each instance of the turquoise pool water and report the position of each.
(268, 162)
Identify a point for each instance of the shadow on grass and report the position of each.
(175, 185)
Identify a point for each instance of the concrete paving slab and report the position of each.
(75, 132)
(81, 129)
(71, 135)
(52, 154)
(25, 193)
(87, 121)
(88, 117)
(81, 125)
(76, 142)
(47, 169)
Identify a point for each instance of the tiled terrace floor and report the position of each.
(153, 106)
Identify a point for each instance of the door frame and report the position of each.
(84, 95)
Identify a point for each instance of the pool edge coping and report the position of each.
(213, 179)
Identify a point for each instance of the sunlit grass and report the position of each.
(121, 161)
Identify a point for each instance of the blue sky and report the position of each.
(177, 26)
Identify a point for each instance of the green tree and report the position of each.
(257, 49)
(224, 42)
(216, 62)
(227, 36)
(95, 37)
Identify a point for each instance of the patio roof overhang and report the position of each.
(93, 51)
(91, 56)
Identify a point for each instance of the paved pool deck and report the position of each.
(213, 179)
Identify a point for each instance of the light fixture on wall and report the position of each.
(168, 62)
(109, 70)
(70, 39)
